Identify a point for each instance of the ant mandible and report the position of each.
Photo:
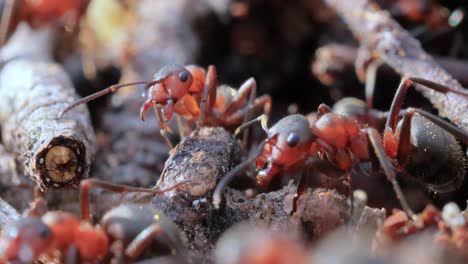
(132, 226)
(191, 92)
(419, 145)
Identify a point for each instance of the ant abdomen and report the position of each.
(127, 221)
(436, 160)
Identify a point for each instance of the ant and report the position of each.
(422, 144)
(257, 244)
(191, 92)
(128, 229)
(39, 13)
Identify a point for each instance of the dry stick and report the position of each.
(54, 152)
(384, 39)
(335, 60)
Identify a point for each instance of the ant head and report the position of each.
(25, 239)
(292, 132)
(171, 82)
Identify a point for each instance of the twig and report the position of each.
(334, 60)
(54, 152)
(384, 39)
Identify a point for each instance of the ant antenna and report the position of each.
(109, 89)
(217, 194)
(263, 119)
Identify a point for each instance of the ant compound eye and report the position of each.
(183, 76)
(293, 139)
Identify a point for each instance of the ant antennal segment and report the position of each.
(263, 119)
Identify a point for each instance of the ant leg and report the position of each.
(72, 256)
(180, 126)
(109, 89)
(163, 126)
(406, 83)
(208, 95)
(87, 184)
(457, 132)
(218, 192)
(261, 103)
(349, 180)
(145, 237)
(248, 87)
(324, 166)
(371, 75)
(323, 109)
(263, 119)
(388, 168)
(404, 142)
(390, 140)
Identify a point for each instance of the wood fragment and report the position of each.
(382, 38)
(54, 152)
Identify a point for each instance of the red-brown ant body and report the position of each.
(128, 229)
(254, 244)
(419, 145)
(38, 13)
(191, 92)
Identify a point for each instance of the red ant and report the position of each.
(130, 228)
(191, 92)
(419, 144)
(38, 13)
(254, 244)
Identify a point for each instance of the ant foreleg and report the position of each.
(261, 103)
(371, 76)
(388, 168)
(208, 95)
(248, 87)
(163, 126)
